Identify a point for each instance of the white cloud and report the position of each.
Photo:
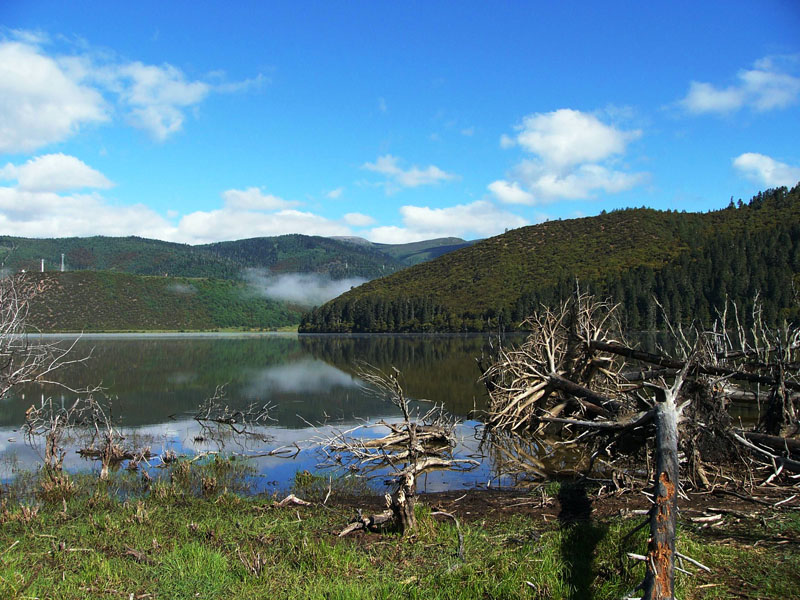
(308, 289)
(48, 214)
(510, 193)
(566, 137)
(389, 166)
(38, 205)
(468, 132)
(476, 220)
(234, 87)
(226, 224)
(45, 97)
(358, 220)
(506, 141)
(766, 86)
(704, 97)
(254, 199)
(156, 96)
(574, 156)
(579, 182)
(334, 194)
(766, 171)
(40, 103)
(382, 105)
(54, 173)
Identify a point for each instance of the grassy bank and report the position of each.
(174, 543)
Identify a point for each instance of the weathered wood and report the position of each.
(565, 385)
(777, 443)
(659, 583)
(671, 363)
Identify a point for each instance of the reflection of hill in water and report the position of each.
(308, 379)
(438, 368)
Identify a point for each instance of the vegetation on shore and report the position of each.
(692, 262)
(91, 301)
(192, 538)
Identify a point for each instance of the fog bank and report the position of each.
(307, 289)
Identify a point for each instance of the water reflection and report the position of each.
(156, 384)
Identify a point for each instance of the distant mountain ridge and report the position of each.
(132, 283)
(293, 253)
(691, 262)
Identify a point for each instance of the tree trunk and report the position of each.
(659, 583)
(402, 504)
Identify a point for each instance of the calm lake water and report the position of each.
(157, 382)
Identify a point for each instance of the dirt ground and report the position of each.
(699, 510)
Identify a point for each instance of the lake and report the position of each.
(157, 382)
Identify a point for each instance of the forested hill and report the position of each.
(306, 254)
(690, 261)
(107, 301)
(225, 260)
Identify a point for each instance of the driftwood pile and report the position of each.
(415, 445)
(577, 382)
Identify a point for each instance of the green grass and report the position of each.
(172, 542)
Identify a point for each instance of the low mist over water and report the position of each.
(307, 289)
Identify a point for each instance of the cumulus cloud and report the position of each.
(766, 86)
(253, 198)
(226, 224)
(476, 220)
(566, 137)
(48, 214)
(765, 170)
(582, 181)
(46, 97)
(156, 96)
(414, 176)
(40, 103)
(574, 156)
(307, 289)
(335, 194)
(54, 173)
(43, 200)
(510, 193)
(358, 219)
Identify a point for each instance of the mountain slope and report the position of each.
(417, 252)
(107, 301)
(296, 253)
(690, 261)
(124, 254)
(227, 260)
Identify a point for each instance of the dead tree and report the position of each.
(25, 357)
(87, 419)
(577, 379)
(218, 419)
(415, 445)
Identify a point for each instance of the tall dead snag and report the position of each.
(659, 580)
(577, 380)
(415, 445)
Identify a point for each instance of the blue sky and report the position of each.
(395, 121)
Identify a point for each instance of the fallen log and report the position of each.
(671, 363)
(777, 443)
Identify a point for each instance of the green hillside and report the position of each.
(227, 260)
(108, 301)
(94, 295)
(690, 261)
(418, 252)
(306, 254)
